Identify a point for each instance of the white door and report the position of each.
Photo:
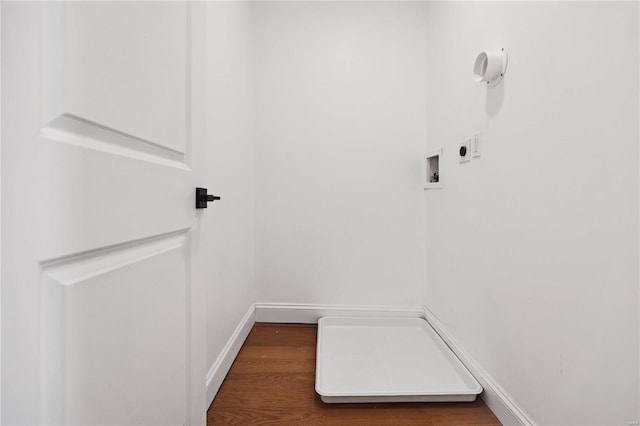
(102, 316)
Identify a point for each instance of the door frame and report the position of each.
(0, 208)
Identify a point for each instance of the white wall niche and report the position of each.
(431, 167)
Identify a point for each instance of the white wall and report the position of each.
(533, 248)
(340, 127)
(229, 224)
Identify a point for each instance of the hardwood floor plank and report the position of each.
(262, 380)
(278, 365)
(277, 398)
(282, 335)
(272, 382)
(249, 353)
(357, 416)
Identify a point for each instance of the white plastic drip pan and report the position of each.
(388, 360)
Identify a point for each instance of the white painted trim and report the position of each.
(309, 314)
(222, 365)
(0, 211)
(494, 395)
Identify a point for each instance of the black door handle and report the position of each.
(202, 198)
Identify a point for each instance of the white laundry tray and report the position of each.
(388, 360)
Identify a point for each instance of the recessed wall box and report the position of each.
(431, 173)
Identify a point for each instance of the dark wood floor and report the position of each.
(271, 382)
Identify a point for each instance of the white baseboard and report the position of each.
(494, 396)
(309, 314)
(221, 367)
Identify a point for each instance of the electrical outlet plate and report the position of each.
(476, 145)
(467, 148)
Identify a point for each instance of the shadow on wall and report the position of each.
(495, 98)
